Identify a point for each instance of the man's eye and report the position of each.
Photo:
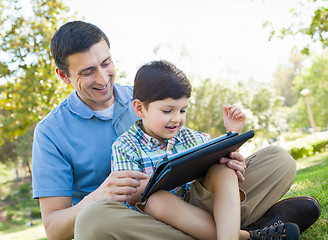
(87, 73)
(106, 63)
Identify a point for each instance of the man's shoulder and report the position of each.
(123, 92)
(58, 116)
(60, 109)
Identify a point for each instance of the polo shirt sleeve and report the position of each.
(52, 173)
(124, 157)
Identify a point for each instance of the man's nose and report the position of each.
(102, 77)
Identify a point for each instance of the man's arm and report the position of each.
(59, 215)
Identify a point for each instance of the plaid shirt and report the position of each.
(136, 150)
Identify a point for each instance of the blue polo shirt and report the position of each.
(72, 146)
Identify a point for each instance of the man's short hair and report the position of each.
(74, 37)
(159, 80)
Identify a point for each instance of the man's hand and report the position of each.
(236, 162)
(118, 186)
(58, 214)
(234, 119)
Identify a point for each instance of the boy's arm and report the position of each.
(234, 119)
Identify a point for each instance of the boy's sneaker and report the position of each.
(287, 231)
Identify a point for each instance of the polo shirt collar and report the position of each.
(77, 106)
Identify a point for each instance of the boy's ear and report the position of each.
(63, 75)
(138, 108)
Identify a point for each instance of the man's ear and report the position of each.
(138, 107)
(63, 75)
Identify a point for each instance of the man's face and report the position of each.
(92, 75)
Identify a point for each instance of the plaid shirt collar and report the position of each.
(151, 142)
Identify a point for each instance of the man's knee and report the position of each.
(281, 158)
(275, 157)
(98, 219)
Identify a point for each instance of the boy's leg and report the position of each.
(106, 219)
(269, 174)
(172, 210)
(223, 183)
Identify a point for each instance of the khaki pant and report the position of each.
(269, 174)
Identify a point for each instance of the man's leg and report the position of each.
(269, 174)
(106, 219)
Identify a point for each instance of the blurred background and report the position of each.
(267, 57)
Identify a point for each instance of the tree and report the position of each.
(262, 108)
(313, 26)
(313, 78)
(285, 75)
(29, 87)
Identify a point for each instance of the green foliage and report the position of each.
(29, 87)
(18, 207)
(313, 26)
(309, 149)
(313, 78)
(257, 101)
(285, 75)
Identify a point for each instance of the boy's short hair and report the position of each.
(74, 37)
(159, 80)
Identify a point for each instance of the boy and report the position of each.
(208, 208)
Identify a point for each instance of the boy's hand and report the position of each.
(236, 162)
(233, 118)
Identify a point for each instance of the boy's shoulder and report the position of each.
(128, 139)
(188, 134)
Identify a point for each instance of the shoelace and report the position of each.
(273, 233)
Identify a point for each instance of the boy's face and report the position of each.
(92, 75)
(164, 118)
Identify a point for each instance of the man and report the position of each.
(72, 149)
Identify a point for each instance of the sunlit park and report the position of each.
(267, 57)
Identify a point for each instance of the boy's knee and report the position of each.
(218, 170)
(215, 174)
(157, 203)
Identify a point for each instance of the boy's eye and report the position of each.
(183, 111)
(166, 111)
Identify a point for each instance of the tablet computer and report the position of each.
(192, 163)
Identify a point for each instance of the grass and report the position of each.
(311, 179)
(19, 207)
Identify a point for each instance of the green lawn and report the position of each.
(311, 179)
